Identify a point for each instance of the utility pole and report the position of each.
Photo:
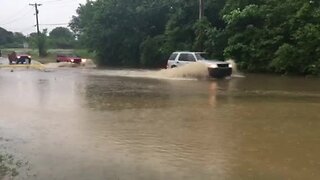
(35, 5)
(201, 9)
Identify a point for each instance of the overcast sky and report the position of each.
(18, 15)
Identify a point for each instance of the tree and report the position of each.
(5, 36)
(116, 29)
(62, 37)
(261, 35)
(11, 39)
(275, 36)
(39, 41)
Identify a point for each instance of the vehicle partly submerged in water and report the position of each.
(216, 68)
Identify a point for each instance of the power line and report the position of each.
(57, 24)
(26, 29)
(15, 13)
(51, 1)
(64, 4)
(15, 19)
(58, 1)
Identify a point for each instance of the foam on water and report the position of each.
(235, 72)
(87, 64)
(196, 70)
(192, 71)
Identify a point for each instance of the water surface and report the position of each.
(110, 124)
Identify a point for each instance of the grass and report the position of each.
(8, 167)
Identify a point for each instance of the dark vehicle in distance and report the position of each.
(24, 58)
(19, 58)
(68, 58)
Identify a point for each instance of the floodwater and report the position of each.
(77, 123)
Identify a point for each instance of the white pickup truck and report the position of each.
(216, 69)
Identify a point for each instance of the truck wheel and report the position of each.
(21, 61)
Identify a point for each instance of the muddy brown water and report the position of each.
(117, 124)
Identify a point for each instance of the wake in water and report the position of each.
(36, 65)
(192, 71)
(88, 63)
(235, 72)
(196, 70)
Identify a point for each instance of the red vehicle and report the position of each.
(24, 58)
(68, 58)
(19, 58)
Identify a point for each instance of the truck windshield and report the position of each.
(200, 56)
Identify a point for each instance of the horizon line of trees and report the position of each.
(59, 37)
(261, 35)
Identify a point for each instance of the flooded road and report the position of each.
(74, 123)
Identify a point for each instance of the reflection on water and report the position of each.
(88, 124)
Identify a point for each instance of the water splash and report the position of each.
(235, 71)
(196, 70)
(88, 63)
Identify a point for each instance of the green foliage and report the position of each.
(62, 38)
(39, 42)
(11, 39)
(42, 43)
(275, 36)
(125, 32)
(84, 53)
(261, 35)
(5, 36)
(116, 29)
(304, 56)
(180, 26)
(152, 55)
(244, 29)
(33, 40)
(209, 39)
(59, 37)
(8, 166)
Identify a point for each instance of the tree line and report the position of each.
(261, 35)
(11, 39)
(60, 37)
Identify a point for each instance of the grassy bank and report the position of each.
(8, 166)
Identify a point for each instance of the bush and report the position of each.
(151, 53)
(85, 53)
